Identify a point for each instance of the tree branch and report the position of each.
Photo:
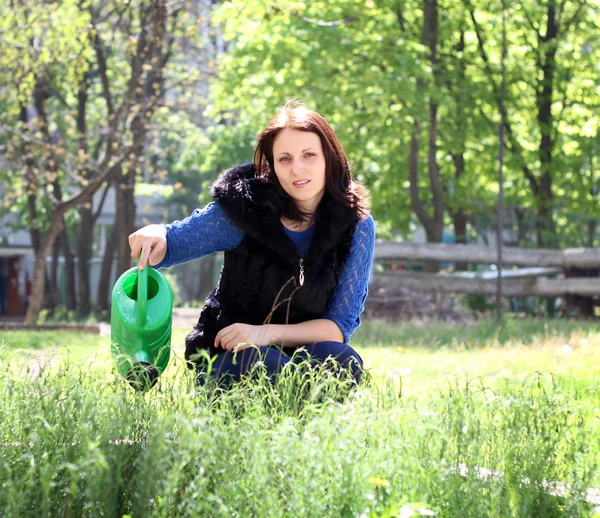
(568, 23)
(400, 17)
(530, 21)
(98, 46)
(515, 145)
(102, 199)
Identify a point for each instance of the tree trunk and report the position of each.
(126, 194)
(103, 301)
(545, 225)
(459, 216)
(460, 220)
(433, 224)
(592, 229)
(86, 223)
(71, 299)
(63, 241)
(52, 288)
(434, 228)
(34, 232)
(84, 247)
(124, 219)
(207, 272)
(548, 45)
(39, 273)
(522, 227)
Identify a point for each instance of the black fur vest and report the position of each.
(260, 279)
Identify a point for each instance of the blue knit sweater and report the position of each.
(210, 230)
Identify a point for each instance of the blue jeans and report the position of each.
(275, 359)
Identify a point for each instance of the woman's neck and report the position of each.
(296, 226)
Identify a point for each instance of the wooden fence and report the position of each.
(565, 266)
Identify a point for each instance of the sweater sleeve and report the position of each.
(204, 232)
(348, 300)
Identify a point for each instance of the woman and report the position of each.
(298, 243)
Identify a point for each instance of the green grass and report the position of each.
(80, 343)
(479, 334)
(522, 400)
(421, 355)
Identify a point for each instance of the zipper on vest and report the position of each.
(301, 277)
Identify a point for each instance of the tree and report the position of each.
(103, 63)
(392, 76)
(547, 88)
(387, 83)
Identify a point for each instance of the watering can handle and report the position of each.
(142, 295)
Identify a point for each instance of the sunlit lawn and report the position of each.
(416, 358)
(573, 357)
(521, 399)
(417, 355)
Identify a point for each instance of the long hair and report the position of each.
(344, 189)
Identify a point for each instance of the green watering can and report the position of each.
(141, 321)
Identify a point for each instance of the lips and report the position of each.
(301, 183)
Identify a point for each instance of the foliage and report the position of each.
(26, 55)
(366, 68)
(195, 155)
(81, 86)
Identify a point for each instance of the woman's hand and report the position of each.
(151, 241)
(238, 337)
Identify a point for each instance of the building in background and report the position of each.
(17, 257)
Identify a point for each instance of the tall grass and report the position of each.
(75, 441)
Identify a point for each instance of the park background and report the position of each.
(117, 114)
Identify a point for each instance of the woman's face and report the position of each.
(300, 166)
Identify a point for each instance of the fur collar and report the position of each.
(253, 203)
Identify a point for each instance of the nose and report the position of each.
(296, 168)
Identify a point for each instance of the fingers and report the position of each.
(233, 338)
(135, 245)
(158, 253)
(224, 336)
(229, 343)
(147, 247)
(151, 242)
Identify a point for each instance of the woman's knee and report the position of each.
(342, 353)
(338, 350)
(229, 367)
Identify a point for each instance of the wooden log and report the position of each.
(511, 287)
(533, 271)
(476, 254)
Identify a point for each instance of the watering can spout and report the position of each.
(142, 356)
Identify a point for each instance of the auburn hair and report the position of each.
(342, 187)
